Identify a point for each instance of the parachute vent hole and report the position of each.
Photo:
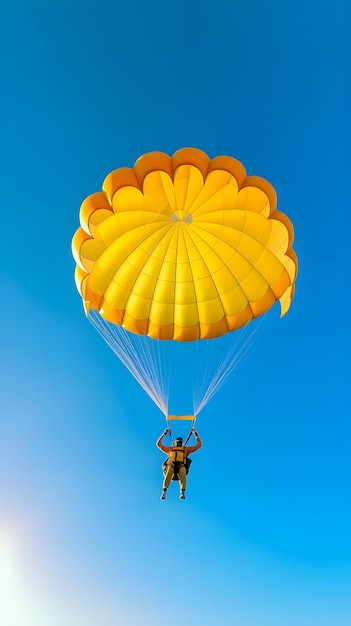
(187, 218)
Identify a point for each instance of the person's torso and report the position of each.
(177, 454)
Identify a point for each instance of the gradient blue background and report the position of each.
(263, 538)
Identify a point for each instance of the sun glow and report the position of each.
(16, 602)
(10, 585)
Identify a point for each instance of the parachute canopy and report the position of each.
(183, 247)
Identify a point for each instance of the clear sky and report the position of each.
(263, 538)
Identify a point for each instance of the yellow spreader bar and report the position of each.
(190, 418)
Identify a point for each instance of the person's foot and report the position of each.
(163, 494)
(182, 494)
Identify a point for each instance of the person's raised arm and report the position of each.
(159, 440)
(191, 449)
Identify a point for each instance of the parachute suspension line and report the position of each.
(231, 362)
(169, 429)
(143, 363)
(206, 360)
(191, 430)
(234, 357)
(206, 356)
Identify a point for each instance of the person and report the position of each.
(176, 462)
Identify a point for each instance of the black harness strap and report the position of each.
(191, 430)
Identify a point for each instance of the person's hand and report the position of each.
(166, 431)
(194, 431)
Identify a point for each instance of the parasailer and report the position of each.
(181, 250)
(178, 462)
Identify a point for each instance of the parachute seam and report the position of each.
(153, 250)
(249, 262)
(218, 191)
(154, 289)
(187, 189)
(210, 275)
(117, 240)
(120, 266)
(170, 207)
(232, 273)
(192, 276)
(220, 258)
(242, 232)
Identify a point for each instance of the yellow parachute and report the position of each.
(183, 247)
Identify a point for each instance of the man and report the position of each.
(176, 462)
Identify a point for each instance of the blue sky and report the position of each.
(263, 538)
